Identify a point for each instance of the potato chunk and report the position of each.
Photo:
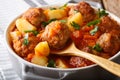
(40, 60)
(77, 18)
(23, 25)
(42, 49)
(57, 13)
(60, 64)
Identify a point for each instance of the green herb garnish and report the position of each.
(26, 41)
(51, 63)
(63, 21)
(94, 22)
(93, 31)
(101, 13)
(97, 48)
(65, 5)
(52, 8)
(75, 25)
(76, 11)
(46, 23)
(33, 31)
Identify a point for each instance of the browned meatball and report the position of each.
(57, 34)
(22, 49)
(86, 10)
(35, 16)
(109, 43)
(107, 24)
(79, 62)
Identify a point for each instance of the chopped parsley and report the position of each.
(97, 48)
(101, 13)
(63, 21)
(51, 63)
(33, 31)
(93, 22)
(93, 31)
(46, 23)
(76, 11)
(65, 5)
(26, 41)
(52, 8)
(75, 25)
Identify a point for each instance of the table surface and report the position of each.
(112, 6)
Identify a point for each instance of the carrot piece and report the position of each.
(89, 37)
(29, 56)
(87, 29)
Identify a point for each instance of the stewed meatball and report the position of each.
(76, 61)
(22, 49)
(57, 34)
(35, 16)
(109, 42)
(85, 9)
(107, 24)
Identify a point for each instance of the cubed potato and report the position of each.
(77, 18)
(57, 13)
(60, 64)
(15, 35)
(39, 60)
(23, 25)
(42, 49)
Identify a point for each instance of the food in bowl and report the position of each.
(40, 30)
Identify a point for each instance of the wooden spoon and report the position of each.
(104, 63)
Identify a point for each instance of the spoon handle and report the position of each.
(105, 63)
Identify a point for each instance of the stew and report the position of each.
(40, 30)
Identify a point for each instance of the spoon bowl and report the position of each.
(104, 63)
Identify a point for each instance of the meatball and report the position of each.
(107, 24)
(86, 10)
(109, 43)
(35, 16)
(22, 49)
(79, 62)
(56, 34)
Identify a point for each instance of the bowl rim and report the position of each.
(21, 60)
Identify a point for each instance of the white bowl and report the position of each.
(30, 71)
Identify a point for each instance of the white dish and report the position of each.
(28, 70)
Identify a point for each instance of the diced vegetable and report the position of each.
(42, 49)
(77, 18)
(57, 13)
(60, 64)
(51, 63)
(23, 25)
(40, 60)
(15, 35)
(30, 56)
